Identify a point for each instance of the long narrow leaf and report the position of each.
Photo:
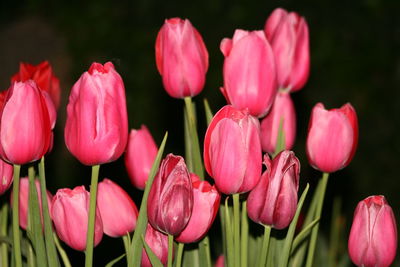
(155, 262)
(303, 234)
(209, 114)
(114, 261)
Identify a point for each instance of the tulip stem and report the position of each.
(15, 217)
(3, 232)
(245, 235)
(179, 254)
(170, 249)
(265, 245)
(236, 228)
(92, 216)
(318, 211)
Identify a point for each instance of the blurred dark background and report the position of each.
(354, 58)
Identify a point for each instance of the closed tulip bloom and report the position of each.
(206, 200)
(6, 172)
(181, 57)
(232, 150)
(249, 72)
(282, 111)
(69, 212)
(273, 201)
(288, 35)
(96, 130)
(43, 76)
(373, 235)
(140, 154)
(170, 201)
(158, 242)
(25, 129)
(332, 137)
(118, 211)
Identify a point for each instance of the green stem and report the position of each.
(245, 235)
(179, 255)
(15, 217)
(62, 252)
(318, 211)
(92, 216)
(3, 232)
(204, 252)
(30, 259)
(170, 249)
(265, 245)
(126, 239)
(236, 228)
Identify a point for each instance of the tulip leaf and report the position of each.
(155, 262)
(291, 231)
(303, 234)
(62, 252)
(188, 143)
(244, 242)
(3, 232)
(280, 140)
(114, 261)
(209, 114)
(229, 235)
(204, 252)
(135, 252)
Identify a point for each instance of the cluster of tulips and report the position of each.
(179, 204)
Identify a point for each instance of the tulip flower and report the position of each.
(96, 130)
(373, 234)
(25, 129)
(220, 261)
(232, 150)
(24, 203)
(69, 213)
(282, 111)
(273, 201)
(181, 57)
(206, 200)
(43, 76)
(332, 137)
(288, 35)
(140, 154)
(170, 200)
(6, 175)
(158, 242)
(249, 72)
(118, 211)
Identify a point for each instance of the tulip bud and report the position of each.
(332, 137)
(69, 212)
(232, 150)
(249, 72)
(181, 57)
(274, 200)
(6, 175)
(25, 128)
(43, 76)
(96, 130)
(288, 35)
(373, 234)
(118, 211)
(220, 261)
(282, 111)
(206, 200)
(158, 242)
(140, 154)
(170, 201)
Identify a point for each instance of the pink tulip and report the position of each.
(232, 150)
(96, 130)
(140, 154)
(69, 212)
(170, 201)
(206, 200)
(249, 72)
(118, 211)
(288, 35)
(282, 111)
(181, 57)
(332, 137)
(273, 201)
(220, 261)
(6, 174)
(373, 235)
(25, 129)
(158, 242)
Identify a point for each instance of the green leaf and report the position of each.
(280, 141)
(209, 114)
(229, 235)
(244, 235)
(204, 252)
(114, 261)
(305, 232)
(3, 232)
(155, 262)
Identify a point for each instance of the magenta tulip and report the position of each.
(140, 154)
(6, 174)
(232, 150)
(96, 130)
(69, 212)
(332, 137)
(206, 200)
(249, 72)
(373, 235)
(181, 57)
(25, 129)
(158, 242)
(118, 211)
(282, 111)
(273, 201)
(170, 201)
(288, 35)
